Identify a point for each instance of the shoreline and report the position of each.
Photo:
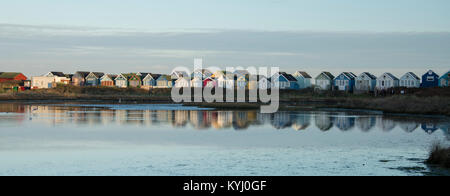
(427, 101)
(304, 104)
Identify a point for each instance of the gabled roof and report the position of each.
(430, 72)
(327, 74)
(369, 75)
(154, 76)
(9, 75)
(97, 74)
(82, 73)
(304, 74)
(447, 74)
(289, 77)
(167, 77)
(180, 73)
(241, 72)
(56, 73)
(203, 71)
(111, 76)
(413, 75)
(349, 75)
(389, 75)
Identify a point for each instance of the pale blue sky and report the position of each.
(323, 15)
(154, 36)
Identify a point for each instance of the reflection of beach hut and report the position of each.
(323, 121)
(181, 118)
(385, 124)
(344, 123)
(240, 120)
(365, 123)
(429, 127)
(281, 120)
(408, 126)
(301, 121)
(224, 119)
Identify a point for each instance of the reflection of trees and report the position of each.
(365, 123)
(301, 121)
(323, 120)
(385, 124)
(343, 122)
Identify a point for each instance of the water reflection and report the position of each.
(218, 120)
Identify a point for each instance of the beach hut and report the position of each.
(179, 74)
(283, 80)
(410, 80)
(149, 80)
(108, 80)
(79, 78)
(49, 80)
(197, 82)
(225, 80)
(303, 79)
(430, 79)
(365, 82)
(324, 81)
(444, 80)
(201, 74)
(164, 81)
(264, 83)
(121, 81)
(183, 82)
(93, 78)
(345, 81)
(12, 76)
(387, 80)
(242, 81)
(209, 82)
(134, 80)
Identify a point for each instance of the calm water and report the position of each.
(144, 139)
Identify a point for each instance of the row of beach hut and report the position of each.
(346, 81)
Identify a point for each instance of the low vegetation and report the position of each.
(439, 155)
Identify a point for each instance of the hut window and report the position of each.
(430, 78)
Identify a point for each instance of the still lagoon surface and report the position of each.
(159, 139)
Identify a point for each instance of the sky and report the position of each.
(115, 36)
